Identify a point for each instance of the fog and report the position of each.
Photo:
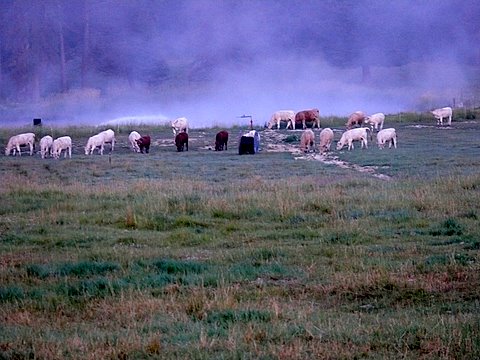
(152, 61)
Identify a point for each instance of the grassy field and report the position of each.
(362, 254)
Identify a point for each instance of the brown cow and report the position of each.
(357, 118)
(302, 117)
(181, 141)
(144, 143)
(221, 140)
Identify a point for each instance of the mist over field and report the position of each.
(93, 62)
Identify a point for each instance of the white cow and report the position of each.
(326, 139)
(443, 113)
(132, 138)
(94, 142)
(281, 115)
(99, 140)
(16, 141)
(349, 136)
(109, 136)
(387, 136)
(62, 143)
(46, 143)
(307, 141)
(376, 121)
(179, 125)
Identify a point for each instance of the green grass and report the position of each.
(209, 254)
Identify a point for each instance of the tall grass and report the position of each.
(215, 255)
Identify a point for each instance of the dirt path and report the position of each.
(275, 141)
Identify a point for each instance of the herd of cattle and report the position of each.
(248, 143)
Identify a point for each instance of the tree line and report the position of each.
(52, 46)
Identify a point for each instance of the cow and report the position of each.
(132, 139)
(349, 136)
(62, 143)
(279, 116)
(99, 140)
(326, 139)
(181, 141)
(180, 125)
(307, 141)
(312, 115)
(221, 140)
(95, 142)
(16, 141)
(387, 136)
(376, 121)
(357, 118)
(144, 143)
(46, 143)
(445, 112)
(109, 138)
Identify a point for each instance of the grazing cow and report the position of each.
(179, 125)
(387, 136)
(99, 140)
(46, 143)
(94, 142)
(326, 139)
(312, 115)
(307, 141)
(443, 113)
(221, 140)
(181, 141)
(16, 141)
(357, 118)
(144, 143)
(109, 138)
(279, 116)
(349, 136)
(62, 143)
(132, 139)
(375, 121)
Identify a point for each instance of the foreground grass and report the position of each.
(212, 255)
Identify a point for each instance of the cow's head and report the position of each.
(340, 144)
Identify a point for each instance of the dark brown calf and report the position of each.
(181, 141)
(221, 140)
(144, 143)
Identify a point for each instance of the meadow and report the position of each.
(212, 255)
